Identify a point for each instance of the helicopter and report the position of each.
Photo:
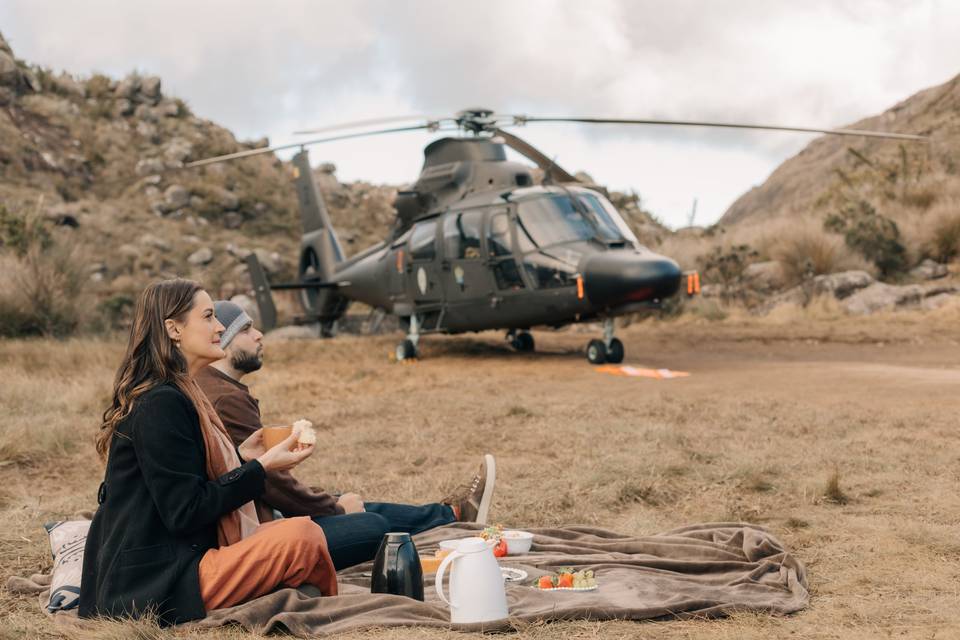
(477, 245)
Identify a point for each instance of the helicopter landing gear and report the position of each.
(596, 352)
(407, 350)
(609, 349)
(522, 341)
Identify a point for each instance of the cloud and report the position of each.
(263, 69)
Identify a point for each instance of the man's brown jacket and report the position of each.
(240, 413)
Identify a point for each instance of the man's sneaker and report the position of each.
(472, 502)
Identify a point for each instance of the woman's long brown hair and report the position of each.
(151, 357)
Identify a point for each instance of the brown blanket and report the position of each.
(700, 570)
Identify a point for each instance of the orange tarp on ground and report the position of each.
(626, 370)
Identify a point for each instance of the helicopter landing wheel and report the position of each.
(523, 342)
(406, 350)
(615, 351)
(596, 352)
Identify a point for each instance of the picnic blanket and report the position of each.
(703, 570)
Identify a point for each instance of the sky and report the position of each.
(268, 69)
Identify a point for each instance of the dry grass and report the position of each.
(805, 250)
(771, 411)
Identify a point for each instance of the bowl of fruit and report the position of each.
(518, 542)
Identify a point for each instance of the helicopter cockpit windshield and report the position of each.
(554, 232)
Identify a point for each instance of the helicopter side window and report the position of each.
(422, 241)
(498, 240)
(548, 272)
(461, 235)
(505, 271)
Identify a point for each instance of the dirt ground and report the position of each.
(840, 435)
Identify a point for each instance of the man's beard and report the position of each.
(247, 362)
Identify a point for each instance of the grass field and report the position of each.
(839, 434)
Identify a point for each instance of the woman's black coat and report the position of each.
(158, 513)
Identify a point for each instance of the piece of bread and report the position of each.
(307, 435)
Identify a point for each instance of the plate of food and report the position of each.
(568, 580)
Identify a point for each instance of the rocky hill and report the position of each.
(903, 178)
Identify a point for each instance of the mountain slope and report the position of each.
(894, 175)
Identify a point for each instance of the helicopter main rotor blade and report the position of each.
(543, 161)
(371, 122)
(730, 125)
(296, 145)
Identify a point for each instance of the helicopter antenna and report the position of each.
(693, 213)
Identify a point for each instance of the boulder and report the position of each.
(128, 87)
(31, 80)
(150, 88)
(938, 300)
(150, 240)
(929, 270)
(232, 220)
(177, 151)
(842, 285)
(270, 261)
(9, 71)
(237, 252)
(224, 199)
(880, 296)
(122, 108)
(763, 276)
(176, 197)
(149, 166)
(167, 109)
(146, 113)
(65, 84)
(129, 251)
(201, 256)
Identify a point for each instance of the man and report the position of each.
(354, 528)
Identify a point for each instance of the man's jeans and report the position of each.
(355, 537)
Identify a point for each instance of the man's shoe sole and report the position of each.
(487, 496)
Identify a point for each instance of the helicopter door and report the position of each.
(423, 281)
(466, 276)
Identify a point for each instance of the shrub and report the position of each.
(43, 291)
(724, 265)
(805, 251)
(943, 239)
(874, 236)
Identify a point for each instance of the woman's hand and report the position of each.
(253, 447)
(285, 455)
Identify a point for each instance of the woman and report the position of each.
(176, 533)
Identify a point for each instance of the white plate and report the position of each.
(593, 588)
(513, 575)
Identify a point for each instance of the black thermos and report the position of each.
(396, 569)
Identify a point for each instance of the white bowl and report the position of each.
(518, 542)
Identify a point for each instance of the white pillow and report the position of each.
(67, 540)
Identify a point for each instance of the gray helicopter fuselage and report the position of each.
(514, 259)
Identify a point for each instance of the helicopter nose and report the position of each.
(620, 277)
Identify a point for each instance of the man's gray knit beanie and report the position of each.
(232, 317)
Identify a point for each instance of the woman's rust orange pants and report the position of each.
(282, 553)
